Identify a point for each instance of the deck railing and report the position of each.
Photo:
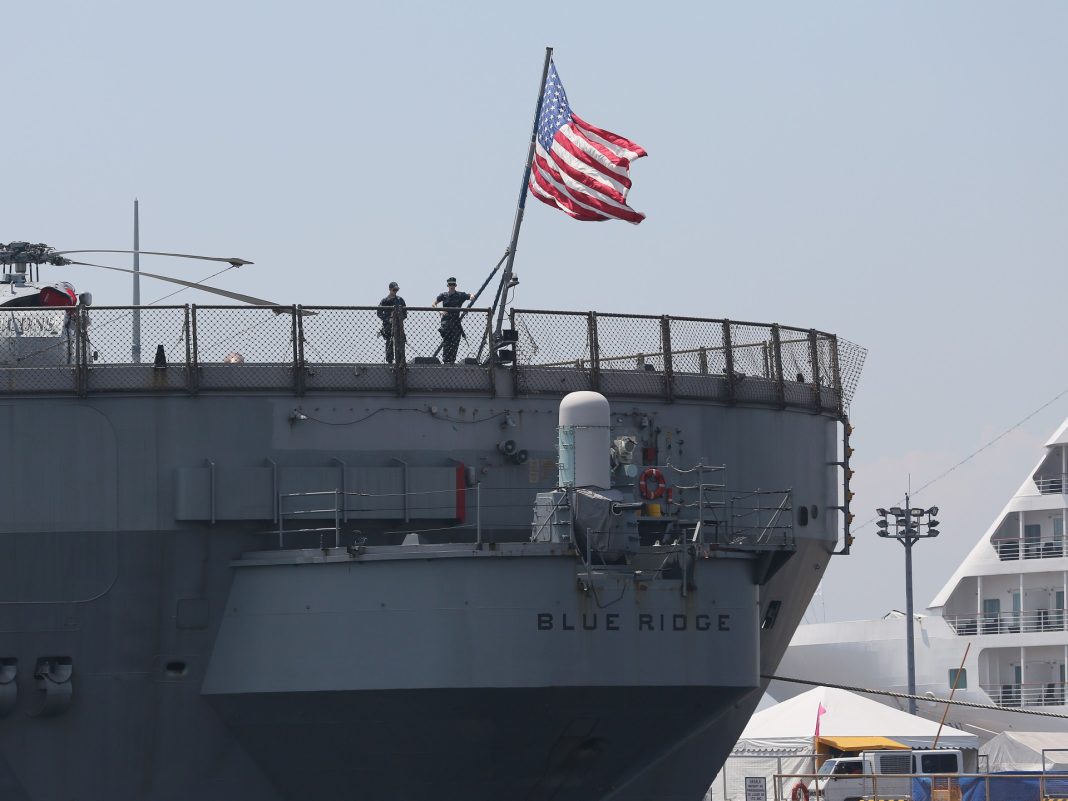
(1010, 549)
(301, 348)
(1031, 694)
(1030, 620)
(1052, 485)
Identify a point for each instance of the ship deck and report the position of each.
(323, 349)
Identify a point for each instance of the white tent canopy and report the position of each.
(791, 725)
(1022, 750)
(781, 739)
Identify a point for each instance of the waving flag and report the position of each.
(819, 714)
(578, 168)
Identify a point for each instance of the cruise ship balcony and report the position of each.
(1050, 693)
(1012, 548)
(1032, 620)
(1052, 485)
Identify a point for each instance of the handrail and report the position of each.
(1052, 485)
(1028, 620)
(338, 509)
(296, 348)
(1051, 693)
(1010, 549)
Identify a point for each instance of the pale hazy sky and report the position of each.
(892, 172)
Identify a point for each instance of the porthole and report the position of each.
(813, 511)
(802, 516)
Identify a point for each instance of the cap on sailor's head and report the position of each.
(451, 281)
(394, 285)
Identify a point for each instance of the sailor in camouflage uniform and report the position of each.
(451, 328)
(387, 305)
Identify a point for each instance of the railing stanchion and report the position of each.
(814, 357)
(281, 522)
(337, 517)
(728, 362)
(515, 356)
(669, 368)
(595, 352)
(836, 368)
(478, 514)
(196, 346)
(776, 365)
(81, 353)
(190, 377)
(298, 350)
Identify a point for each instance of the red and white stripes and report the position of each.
(586, 173)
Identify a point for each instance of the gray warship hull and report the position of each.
(183, 617)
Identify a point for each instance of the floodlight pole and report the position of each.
(908, 525)
(910, 637)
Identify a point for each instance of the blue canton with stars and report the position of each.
(555, 110)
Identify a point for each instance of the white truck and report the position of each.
(882, 774)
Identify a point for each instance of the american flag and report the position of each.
(582, 170)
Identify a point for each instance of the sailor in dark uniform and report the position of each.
(385, 313)
(451, 328)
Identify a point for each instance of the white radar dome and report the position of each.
(585, 440)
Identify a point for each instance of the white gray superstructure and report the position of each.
(1003, 607)
(298, 575)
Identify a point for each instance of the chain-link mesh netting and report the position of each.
(698, 358)
(347, 348)
(851, 358)
(828, 373)
(697, 346)
(115, 363)
(245, 347)
(334, 335)
(631, 355)
(455, 336)
(553, 352)
(446, 350)
(110, 332)
(38, 350)
(756, 374)
(795, 348)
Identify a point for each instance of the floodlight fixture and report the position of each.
(896, 511)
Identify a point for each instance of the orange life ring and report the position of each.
(799, 792)
(643, 484)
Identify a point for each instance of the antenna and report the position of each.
(135, 344)
(17, 260)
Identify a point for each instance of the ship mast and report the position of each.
(135, 339)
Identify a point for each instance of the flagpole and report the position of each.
(506, 279)
(135, 347)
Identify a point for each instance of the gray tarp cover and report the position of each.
(593, 513)
(1022, 750)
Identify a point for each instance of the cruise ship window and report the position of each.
(962, 682)
(802, 516)
(1058, 528)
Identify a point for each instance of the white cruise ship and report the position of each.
(1006, 600)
